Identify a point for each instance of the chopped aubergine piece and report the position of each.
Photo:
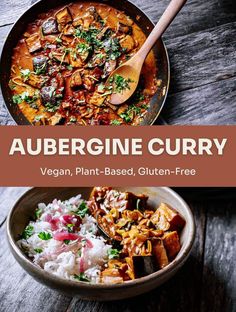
(127, 43)
(76, 80)
(75, 60)
(40, 64)
(144, 265)
(122, 109)
(88, 82)
(125, 29)
(50, 26)
(68, 30)
(60, 56)
(172, 244)
(48, 95)
(159, 253)
(89, 17)
(56, 119)
(136, 202)
(173, 217)
(109, 67)
(63, 17)
(36, 81)
(160, 221)
(96, 99)
(33, 43)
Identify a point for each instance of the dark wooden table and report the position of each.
(207, 282)
(202, 50)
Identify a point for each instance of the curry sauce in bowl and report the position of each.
(60, 64)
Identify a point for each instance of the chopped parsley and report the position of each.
(81, 277)
(30, 99)
(38, 213)
(25, 74)
(69, 67)
(38, 250)
(115, 122)
(41, 69)
(113, 253)
(44, 235)
(90, 36)
(82, 210)
(112, 48)
(28, 231)
(66, 241)
(120, 83)
(70, 228)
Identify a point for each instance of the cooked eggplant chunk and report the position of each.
(76, 79)
(173, 217)
(63, 17)
(160, 254)
(127, 43)
(50, 26)
(57, 119)
(74, 59)
(94, 38)
(40, 64)
(144, 265)
(48, 95)
(125, 29)
(36, 81)
(172, 244)
(61, 56)
(33, 43)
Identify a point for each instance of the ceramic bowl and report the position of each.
(24, 209)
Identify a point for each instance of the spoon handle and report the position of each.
(167, 17)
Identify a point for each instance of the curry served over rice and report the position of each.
(62, 62)
(113, 237)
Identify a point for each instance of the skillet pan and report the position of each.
(163, 69)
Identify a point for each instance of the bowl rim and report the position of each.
(7, 104)
(38, 271)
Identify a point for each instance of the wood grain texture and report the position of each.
(212, 104)
(219, 273)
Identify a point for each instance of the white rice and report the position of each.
(66, 260)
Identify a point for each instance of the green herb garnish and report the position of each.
(38, 213)
(25, 74)
(115, 122)
(66, 241)
(38, 250)
(70, 228)
(44, 235)
(28, 231)
(82, 210)
(120, 83)
(81, 277)
(113, 253)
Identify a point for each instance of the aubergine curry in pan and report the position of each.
(61, 64)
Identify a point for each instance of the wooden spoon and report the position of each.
(130, 70)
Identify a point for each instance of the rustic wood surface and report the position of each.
(202, 50)
(207, 282)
